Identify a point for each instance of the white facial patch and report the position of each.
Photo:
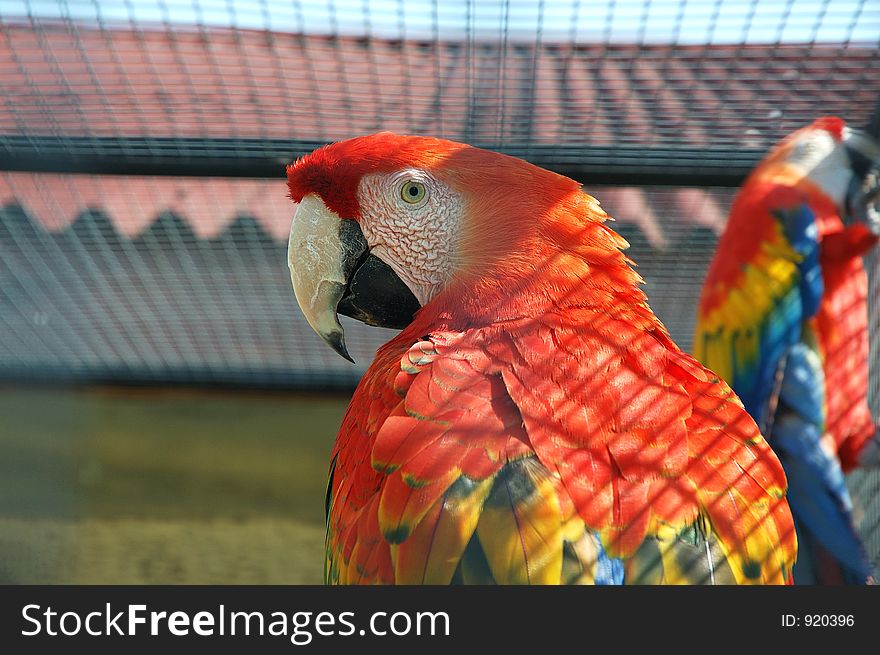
(415, 236)
(825, 162)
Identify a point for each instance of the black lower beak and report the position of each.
(863, 201)
(375, 295)
(863, 195)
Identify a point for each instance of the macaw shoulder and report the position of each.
(582, 379)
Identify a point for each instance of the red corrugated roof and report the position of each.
(71, 79)
(75, 80)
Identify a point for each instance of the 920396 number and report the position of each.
(828, 620)
(818, 620)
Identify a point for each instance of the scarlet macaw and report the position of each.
(783, 318)
(533, 422)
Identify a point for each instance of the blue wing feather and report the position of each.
(817, 491)
(799, 225)
(821, 505)
(609, 570)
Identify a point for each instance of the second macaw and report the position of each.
(783, 318)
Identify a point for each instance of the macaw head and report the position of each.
(841, 163)
(386, 224)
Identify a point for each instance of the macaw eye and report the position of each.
(413, 192)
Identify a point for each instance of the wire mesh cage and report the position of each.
(143, 210)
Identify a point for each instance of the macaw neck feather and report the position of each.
(568, 258)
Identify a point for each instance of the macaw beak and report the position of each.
(333, 272)
(863, 195)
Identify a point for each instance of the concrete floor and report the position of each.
(163, 486)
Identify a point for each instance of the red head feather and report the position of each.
(334, 171)
(831, 124)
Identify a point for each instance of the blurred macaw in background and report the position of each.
(533, 422)
(783, 318)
